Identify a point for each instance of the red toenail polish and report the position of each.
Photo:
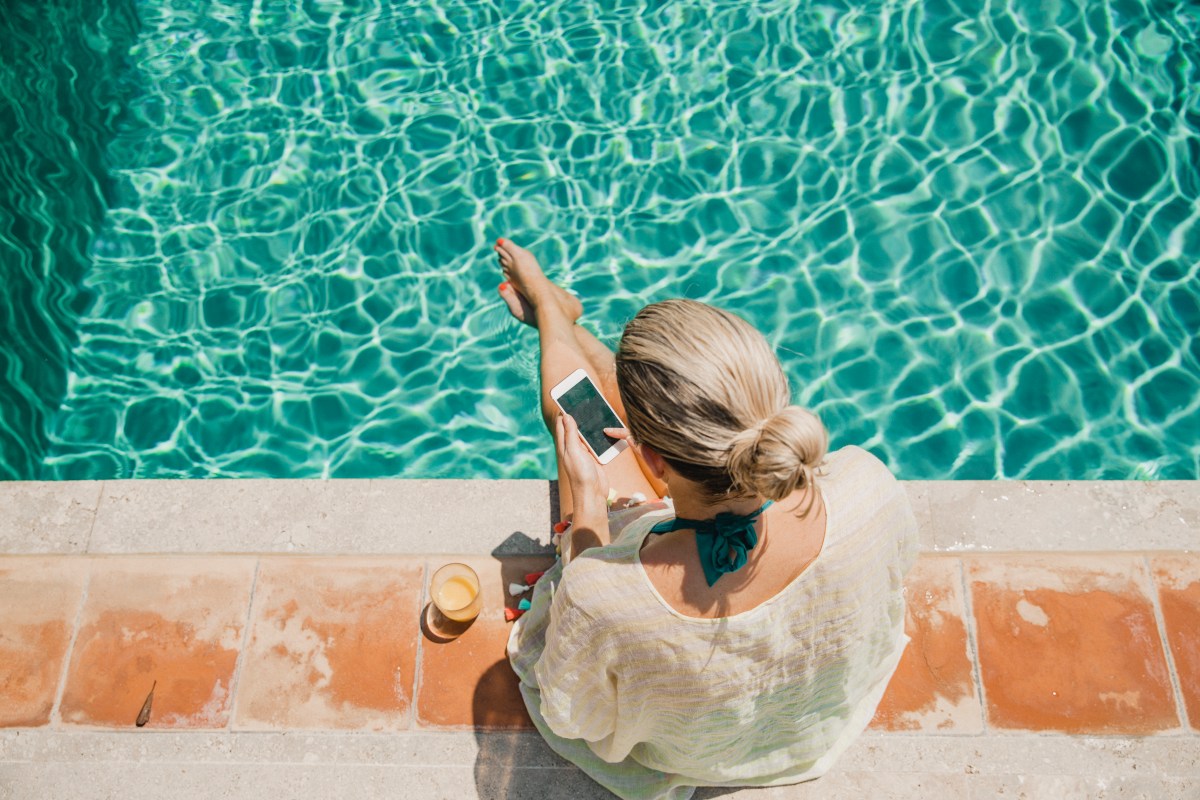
(502, 286)
(499, 242)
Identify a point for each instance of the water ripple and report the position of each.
(59, 69)
(970, 228)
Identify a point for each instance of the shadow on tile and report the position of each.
(519, 543)
(501, 765)
(438, 629)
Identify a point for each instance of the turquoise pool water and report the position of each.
(253, 239)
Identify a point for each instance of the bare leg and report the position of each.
(565, 347)
(599, 356)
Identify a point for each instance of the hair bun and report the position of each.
(775, 457)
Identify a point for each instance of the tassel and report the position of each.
(511, 614)
(524, 605)
(531, 578)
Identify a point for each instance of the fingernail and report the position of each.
(503, 286)
(499, 242)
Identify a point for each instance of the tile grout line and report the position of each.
(418, 671)
(87, 548)
(235, 682)
(64, 672)
(973, 645)
(1161, 622)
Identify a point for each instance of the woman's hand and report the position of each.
(582, 469)
(618, 433)
(589, 489)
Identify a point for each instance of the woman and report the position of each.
(739, 633)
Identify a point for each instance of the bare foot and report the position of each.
(526, 286)
(518, 306)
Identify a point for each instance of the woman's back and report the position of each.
(765, 690)
(790, 536)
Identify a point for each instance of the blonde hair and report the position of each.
(703, 388)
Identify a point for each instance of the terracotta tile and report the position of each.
(933, 689)
(467, 681)
(178, 621)
(333, 644)
(39, 598)
(1178, 580)
(1070, 643)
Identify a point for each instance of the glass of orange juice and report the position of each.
(454, 591)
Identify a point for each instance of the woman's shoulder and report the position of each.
(598, 595)
(863, 492)
(857, 472)
(608, 582)
(601, 576)
(854, 460)
(632, 523)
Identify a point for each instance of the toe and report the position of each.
(509, 247)
(512, 298)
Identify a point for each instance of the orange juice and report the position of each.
(454, 590)
(455, 593)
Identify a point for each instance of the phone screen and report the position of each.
(592, 414)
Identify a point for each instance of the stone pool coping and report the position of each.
(1014, 574)
(512, 517)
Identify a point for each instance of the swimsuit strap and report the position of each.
(722, 541)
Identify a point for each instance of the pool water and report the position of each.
(254, 239)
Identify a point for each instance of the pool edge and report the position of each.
(512, 517)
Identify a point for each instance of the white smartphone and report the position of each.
(578, 396)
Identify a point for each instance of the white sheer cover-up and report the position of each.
(651, 703)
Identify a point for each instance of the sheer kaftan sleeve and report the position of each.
(576, 670)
